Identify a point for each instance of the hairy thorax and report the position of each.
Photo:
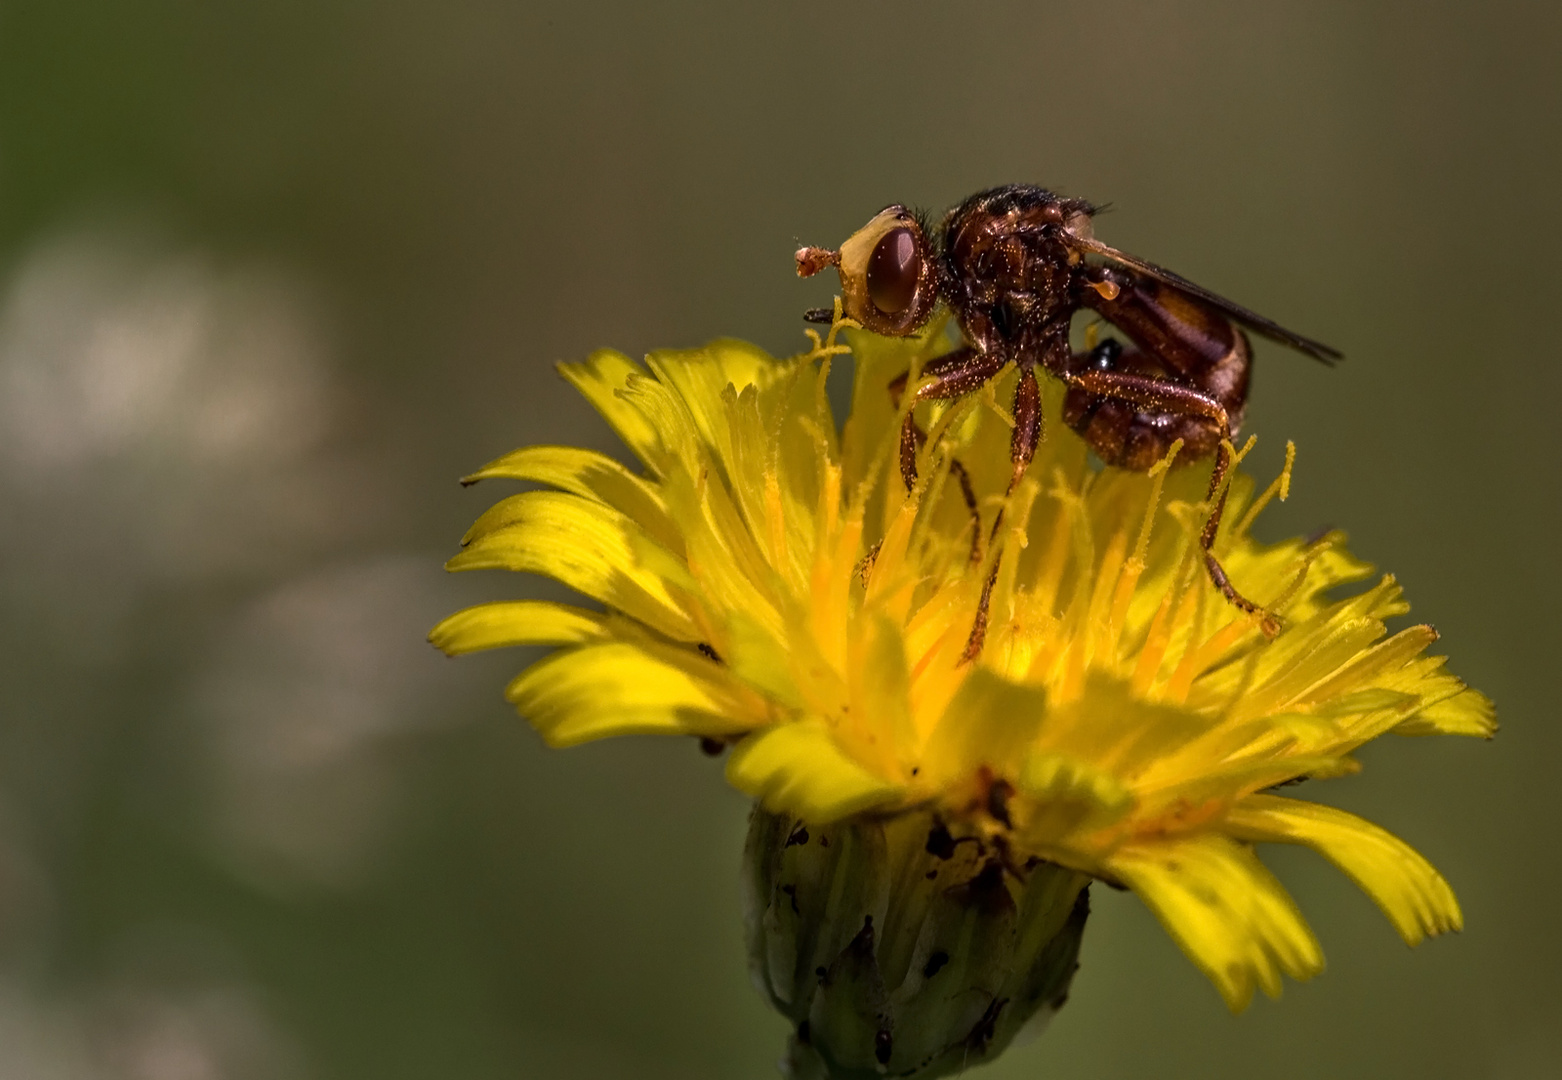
(1007, 264)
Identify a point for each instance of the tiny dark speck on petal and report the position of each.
(939, 843)
(935, 963)
(883, 1046)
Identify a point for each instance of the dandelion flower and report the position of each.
(766, 583)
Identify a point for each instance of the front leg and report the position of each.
(1027, 424)
(954, 375)
(1022, 450)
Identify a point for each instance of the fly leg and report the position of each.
(954, 375)
(968, 493)
(1022, 450)
(1165, 396)
(1027, 425)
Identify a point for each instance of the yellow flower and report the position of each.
(768, 583)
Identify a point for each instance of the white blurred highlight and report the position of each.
(109, 351)
(131, 1030)
(163, 420)
(309, 696)
(174, 474)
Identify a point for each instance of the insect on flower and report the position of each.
(927, 825)
(1010, 263)
(946, 745)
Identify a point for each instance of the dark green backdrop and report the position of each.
(276, 274)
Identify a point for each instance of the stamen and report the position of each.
(1280, 485)
(1016, 516)
(1070, 682)
(930, 485)
(1195, 661)
(1164, 625)
(1157, 476)
(821, 395)
(827, 348)
(990, 399)
(1054, 558)
(829, 511)
(1134, 566)
(1310, 555)
(1098, 629)
(839, 322)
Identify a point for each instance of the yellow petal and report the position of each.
(761, 659)
(701, 376)
(990, 721)
(877, 728)
(618, 688)
(1138, 739)
(590, 475)
(721, 552)
(1382, 660)
(763, 440)
(1224, 909)
(1308, 652)
(1410, 891)
(593, 549)
(601, 378)
(1223, 784)
(798, 768)
(1064, 796)
(1466, 712)
(515, 622)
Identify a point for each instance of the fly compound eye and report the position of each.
(888, 281)
(893, 272)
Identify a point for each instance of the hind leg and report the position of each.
(1131, 421)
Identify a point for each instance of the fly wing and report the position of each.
(1252, 320)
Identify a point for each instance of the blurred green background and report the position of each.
(274, 275)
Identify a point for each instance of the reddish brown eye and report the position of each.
(893, 272)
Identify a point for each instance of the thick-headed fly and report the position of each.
(1014, 265)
